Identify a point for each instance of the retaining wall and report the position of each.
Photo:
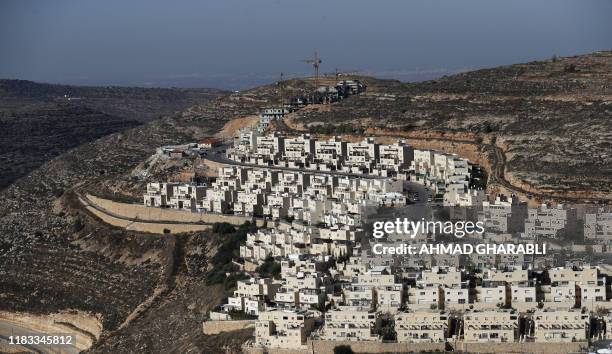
(216, 327)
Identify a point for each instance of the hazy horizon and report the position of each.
(233, 44)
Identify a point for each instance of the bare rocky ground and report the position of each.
(552, 121)
(55, 256)
(41, 121)
(551, 118)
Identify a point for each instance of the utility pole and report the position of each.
(280, 92)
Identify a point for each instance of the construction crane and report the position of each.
(280, 91)
(315, 62)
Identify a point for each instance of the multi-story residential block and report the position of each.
(299, 150)
(158, 194)
(330, 153)
(362, 156)
(186, 196)
(548, 222)
(421, 326)
(508, 275)
(593, 294)
(441, 276)
(423, 161)
(284, 328)
(560, 295)
(598, 226)
(352, 323)
(359, 295)
(425, 296)
(504, 215)
(491, 295)
(246, 141)
(269, 148)
(491, 326)
(560, 326)
(389, 297)
(584, 274)
(456, 296)
(251, 295)
(394, 157)
(524, 295)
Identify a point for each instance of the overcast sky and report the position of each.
(238, 43)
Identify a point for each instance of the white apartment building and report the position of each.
(425, 296)
(330, 153)
(464, 196)
(490, 326)
(269, 147)
(512, 275)
(423, 161)
(246, 141)
(524, 295)
(550, 222)
(503, 215)
(560, 326)
(351, 323)
(250, 295)
(394, 157)
(449, 276)
(389, 298)
(284, 329)
(491, 295)
(362, 156)
(560, 295)
(598, 226)
(456, 296)
(299, 150)
(359, 295)
(421, 326)
(158, 194)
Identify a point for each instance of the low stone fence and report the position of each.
(526, 347)
(327, 346)
(216, 327)
(150, 227)
(142, 213)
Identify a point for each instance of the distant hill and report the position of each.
(549, 121)
(40, 121)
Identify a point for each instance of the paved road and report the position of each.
(10, 329)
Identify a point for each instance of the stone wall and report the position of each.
(327, 346)
(140, 212)
(155, 228)
(535, 348)
(216, 327)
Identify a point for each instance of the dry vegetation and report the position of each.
(551, 119)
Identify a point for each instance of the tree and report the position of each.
(343, 349)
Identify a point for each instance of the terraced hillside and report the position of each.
(551, 119)
(41, 121)
(54, 255)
